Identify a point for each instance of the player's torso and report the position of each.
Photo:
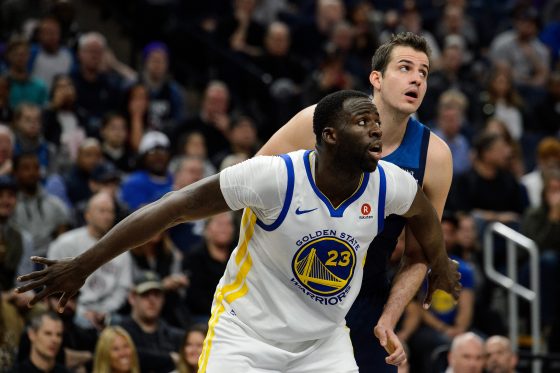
(297, 277)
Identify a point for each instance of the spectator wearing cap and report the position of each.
(155, 340)
(43, 215)
(548, 157)
(104, 292)
(167, 103)
(152, 180)
(114, 142)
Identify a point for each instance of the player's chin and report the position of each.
(369, 165)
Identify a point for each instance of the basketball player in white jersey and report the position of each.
(309, 218)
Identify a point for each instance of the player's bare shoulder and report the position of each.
(439, 172)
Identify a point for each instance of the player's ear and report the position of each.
(375, 78)
(328, 135)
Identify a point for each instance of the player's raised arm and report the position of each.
(295, 135)
(196, 201)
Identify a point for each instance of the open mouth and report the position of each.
(412, 94)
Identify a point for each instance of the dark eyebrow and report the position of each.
(412, 63)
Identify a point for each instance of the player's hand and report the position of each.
(58, 276)
(391, 343)
(446, 278)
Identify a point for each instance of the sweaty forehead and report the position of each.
(358, 105)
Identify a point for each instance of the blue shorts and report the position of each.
(361, 320)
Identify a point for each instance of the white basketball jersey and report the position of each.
(295, 278)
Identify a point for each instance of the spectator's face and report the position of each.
(216, 101)
(467, 233)
(89, 157)
(450, 120)
(499, 154)
(191, 171)
(501, 85)
(156, 64)
(47, 339)
(343, 37)
(219, 230)
(193, 347)
(449, 234)
(18, 58)
(244, 134)
(157, 160)
(28, 172)
(277, 41)
(552, 192)
(6, 149)
(49, 35)
(29, 124)
(91, 55)
(452, 58)
(7, 203)
(195, 146)
(499, 359)
(467, 358)
(147, 306)
(120, 355)
(64, 88)
(115, 132)
(403, 84)
(526, 29)
(100, 215)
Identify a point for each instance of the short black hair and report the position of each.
(329, 110)
(382, 55)
(16, 161)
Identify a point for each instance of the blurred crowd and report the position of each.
(89, 134)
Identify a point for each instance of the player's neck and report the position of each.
(336, 182)
(393, 125)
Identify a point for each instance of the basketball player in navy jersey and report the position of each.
(399, 75)
(281, 303)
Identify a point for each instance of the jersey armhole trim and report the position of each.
(287, 200)
(381, 199)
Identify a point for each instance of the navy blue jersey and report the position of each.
(410, 156)
(368, 306)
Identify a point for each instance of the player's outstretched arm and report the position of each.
(196, 201)
(295, 135)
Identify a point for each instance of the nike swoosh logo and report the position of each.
(299, 212)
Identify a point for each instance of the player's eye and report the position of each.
(403, 68)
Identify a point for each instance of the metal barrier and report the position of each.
(514, 240)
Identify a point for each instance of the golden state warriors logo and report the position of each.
(324, 266)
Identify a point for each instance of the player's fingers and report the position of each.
(41, 260)
(39, 296)
(31, 276)
(63, 300)
(30, 286)
(397, 356)
(381, 336)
